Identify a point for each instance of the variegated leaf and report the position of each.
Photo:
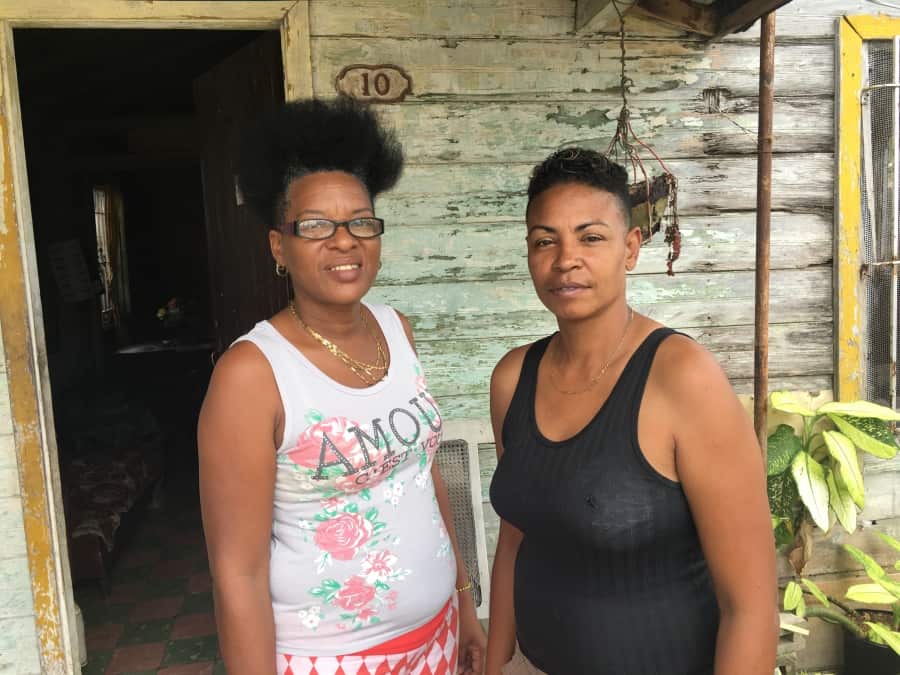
(781, 447)
(840, 447)
(870, 594)
(889, 540)
(793, 594)
(861, 409)
(841, 502)
(792, 402)
(870, 435)
(816, 591)
(872, 568)
(810, 479)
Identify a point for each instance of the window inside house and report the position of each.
(880, 221)
(111, 259)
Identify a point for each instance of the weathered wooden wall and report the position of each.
(497, 86)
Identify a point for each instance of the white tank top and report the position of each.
(359, 553)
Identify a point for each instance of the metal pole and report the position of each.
(763, 224)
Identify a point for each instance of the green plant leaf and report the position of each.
(791, 402)
(870, 594)
(783, 495)
(890, 586)
(781, 447)
(810, 478)
(889, 540)
(870, 435)
(784, 535)
(801, 608)
(872, 568)
(841, 502)
(890, 638)
(816, 591)
(840, 447)
(861, 409)
(793, 594)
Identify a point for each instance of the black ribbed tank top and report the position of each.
(610, 577)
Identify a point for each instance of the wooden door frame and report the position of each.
(20, 303)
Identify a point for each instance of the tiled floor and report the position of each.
(158, 614)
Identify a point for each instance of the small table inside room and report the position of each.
(171, 376)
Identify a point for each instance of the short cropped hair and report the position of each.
(585, 167)
(312, 135)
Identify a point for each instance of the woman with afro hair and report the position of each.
(327, 523)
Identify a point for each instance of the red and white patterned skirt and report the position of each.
(436, 656)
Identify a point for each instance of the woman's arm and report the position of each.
(720, 467)
(237, 477)
(472, 642)
(502, 628)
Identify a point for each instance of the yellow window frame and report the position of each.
(853, 32)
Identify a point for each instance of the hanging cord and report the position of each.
(622, 142)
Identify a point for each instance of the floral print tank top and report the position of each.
(359, 551)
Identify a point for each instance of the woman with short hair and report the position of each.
(635, 536)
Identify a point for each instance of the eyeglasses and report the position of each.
(322, 228)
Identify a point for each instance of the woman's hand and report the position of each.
(472, 640)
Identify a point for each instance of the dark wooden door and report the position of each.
(242, 280)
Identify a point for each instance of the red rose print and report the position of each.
(308, 452)
(309, 445)
(354, 594)
(343, 535)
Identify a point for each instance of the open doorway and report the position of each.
(130, 140)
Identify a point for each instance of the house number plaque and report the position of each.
(374, 84)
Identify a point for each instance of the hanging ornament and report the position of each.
(654, 200)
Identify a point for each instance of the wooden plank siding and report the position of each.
(496, 86)
(499, 85)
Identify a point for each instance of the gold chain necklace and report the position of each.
(367, 372)
(596, 378)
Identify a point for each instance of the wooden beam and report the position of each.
(258, 15)
(689, 16)
(737, 16)
(593, 16)
(848, 215)
(296, 56)
(29, 386)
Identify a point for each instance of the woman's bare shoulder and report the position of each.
(690, 377)
(243, 362)
(509, 367)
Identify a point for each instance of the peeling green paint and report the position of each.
(591, 118)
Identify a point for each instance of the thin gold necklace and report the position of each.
(596, 378)
(367, 372)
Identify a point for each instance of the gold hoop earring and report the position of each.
(280, 270)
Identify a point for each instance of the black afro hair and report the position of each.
(311, 135)
(587, 167)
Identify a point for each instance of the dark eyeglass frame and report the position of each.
(294, 228)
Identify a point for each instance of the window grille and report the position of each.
(101, 205)
(880, 221)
